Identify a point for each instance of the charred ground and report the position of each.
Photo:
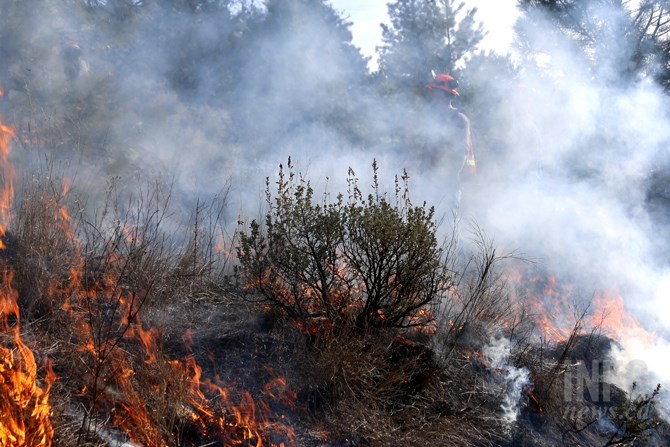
(156, 341)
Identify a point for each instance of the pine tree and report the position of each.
(617, 39)
(424, 35)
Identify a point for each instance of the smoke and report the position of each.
(580, 146)
(568, 150)
(515, 380)
(645, 366)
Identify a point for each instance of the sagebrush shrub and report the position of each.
(367, 259)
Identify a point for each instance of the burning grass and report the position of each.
(84, 283)
(24, 403)
(152, 343)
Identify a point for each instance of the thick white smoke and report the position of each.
(514, 380)
(573, 186)
(565, 181)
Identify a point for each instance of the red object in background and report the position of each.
(446, 82)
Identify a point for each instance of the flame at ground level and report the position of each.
(206, 403)
(25, 413)
(25, 418)
(557, 310)
(611, 316)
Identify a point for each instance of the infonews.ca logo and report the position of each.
(588, 392)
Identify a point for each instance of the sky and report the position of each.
(366, 15)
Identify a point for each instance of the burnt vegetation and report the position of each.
(159, 338)
(142, 304)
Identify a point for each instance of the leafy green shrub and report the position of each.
(634, 419)
(368, 260)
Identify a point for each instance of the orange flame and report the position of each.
(25, 413)
(7, 191)
(131, 387)
(223, 247)
(549, 301)
(24, 406)
(612, 317)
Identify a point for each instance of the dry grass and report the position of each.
(84, 279)
(478, 304)
(127, 300)
(386, 389)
